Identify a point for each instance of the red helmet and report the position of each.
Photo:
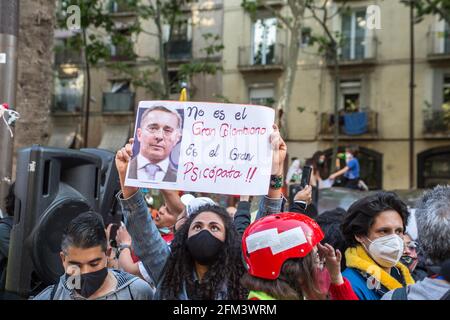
(270, 241)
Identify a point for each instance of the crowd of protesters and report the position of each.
(194, 249)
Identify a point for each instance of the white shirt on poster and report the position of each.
(142, 173)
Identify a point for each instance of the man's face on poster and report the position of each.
(158, 134)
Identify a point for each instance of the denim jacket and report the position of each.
(149, 246)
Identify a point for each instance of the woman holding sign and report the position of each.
(204, 260)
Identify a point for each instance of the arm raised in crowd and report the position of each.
(126, 262)
(304, 195)
(173, 202)
(272, 203)
(148, 244)
(242, 217)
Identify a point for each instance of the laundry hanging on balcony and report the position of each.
(355, 123)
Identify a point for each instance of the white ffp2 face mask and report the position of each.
(387, 250)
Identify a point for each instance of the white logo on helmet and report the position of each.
(277, 242)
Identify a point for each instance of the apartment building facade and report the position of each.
(374, 80)
(374, 85)
(114, 98)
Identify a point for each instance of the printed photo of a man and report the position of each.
(159, 131)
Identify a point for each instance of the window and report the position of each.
(370, 164)
(441, 38)
(180, 30)
(264, 40)
(262, 96)
(120, 98)
(116, 6)
(122, 46)
(350, 95)
(446, 38)
(354, 35)
(306, 37)
(446, 92)
(120, 86)
(65, 52)
(178, 44)
(174, 82)
(433, 167)
(68, 96)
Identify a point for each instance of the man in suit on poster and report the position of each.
(158, 134)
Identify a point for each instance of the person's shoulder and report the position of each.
(388, 295)
(5, 230)
(137, 286)
(141, 290)
(6, 224)
(44, 294)
(353, 276)
(358, 283)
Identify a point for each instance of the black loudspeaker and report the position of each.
(109, 186)
(53, 186)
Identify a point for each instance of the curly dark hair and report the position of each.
(330, 223)
(362, 213)
(229, 266)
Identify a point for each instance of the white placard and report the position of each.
(2, 57)
(202, 147)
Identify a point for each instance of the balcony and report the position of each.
(122, 52)
(352, 126)
(273, 3)
(436, 123)
(178, 50)
(272, 58)
(118, 102)
(438, 46)
(120, 8)
(67, 102)
(67, 56)
(357, 51)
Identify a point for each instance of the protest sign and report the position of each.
(202, 147)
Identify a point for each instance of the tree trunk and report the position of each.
(162, 54)
(87, 91)
(336, 109)
(289, 77)
(35, 71)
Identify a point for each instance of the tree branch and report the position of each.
(444, 14)
(278, 16)
(322, 22)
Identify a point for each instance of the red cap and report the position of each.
(5, 105)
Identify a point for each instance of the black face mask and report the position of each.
(90, 282)
(204, 247)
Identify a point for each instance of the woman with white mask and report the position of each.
(373, 229)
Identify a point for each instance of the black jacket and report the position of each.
(242, 218)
